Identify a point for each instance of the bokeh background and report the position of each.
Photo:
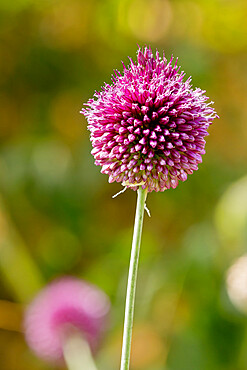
(57, 215)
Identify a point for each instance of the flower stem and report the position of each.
(131, 287)
(77, 353)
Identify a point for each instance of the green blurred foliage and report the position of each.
(56, 212)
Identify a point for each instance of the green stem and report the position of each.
(77, 353)
(131, 287)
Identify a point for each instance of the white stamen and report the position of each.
(120, 192)
(147, 210)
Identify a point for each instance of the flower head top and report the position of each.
(148, 127)
(66, 302)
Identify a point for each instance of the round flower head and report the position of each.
(148, 127)
(64, 303)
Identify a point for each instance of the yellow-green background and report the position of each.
(56, 212)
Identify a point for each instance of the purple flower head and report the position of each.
(148, 127)
(67, 302)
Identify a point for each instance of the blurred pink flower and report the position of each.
(66, 302)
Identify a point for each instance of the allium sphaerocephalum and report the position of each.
(66, 302)
(148, 127)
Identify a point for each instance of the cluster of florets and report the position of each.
(148, 127)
